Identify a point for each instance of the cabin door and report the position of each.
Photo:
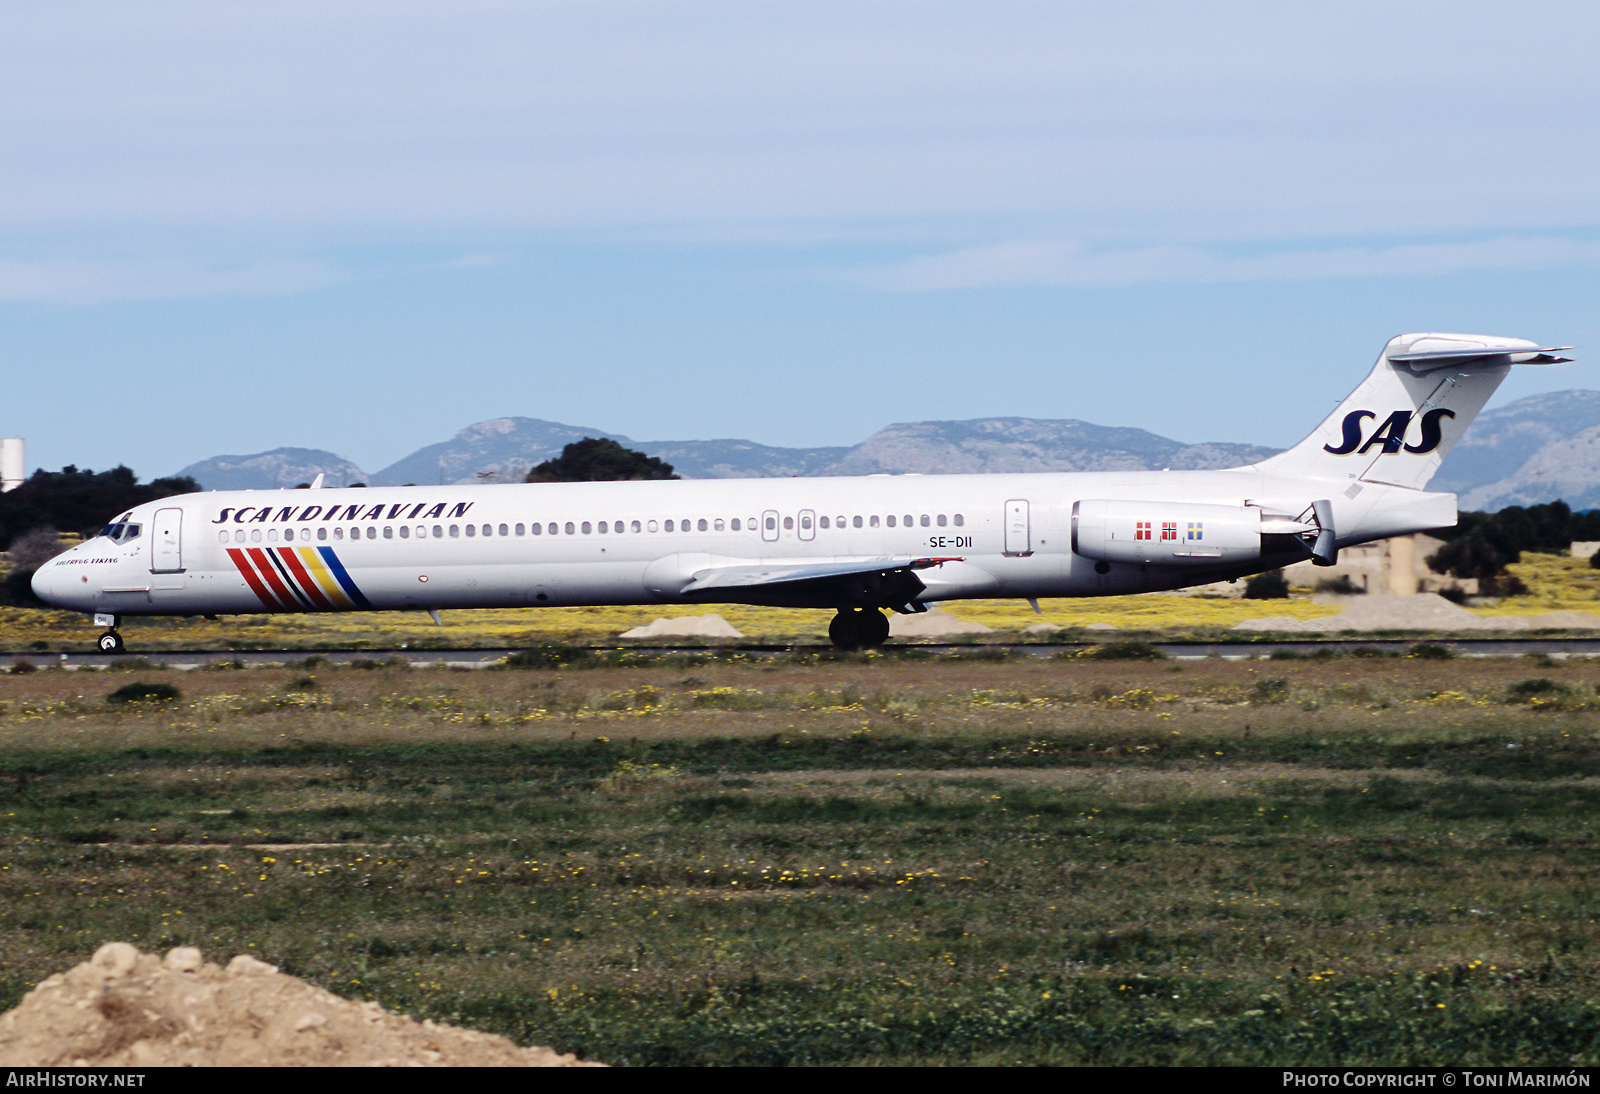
(1019, 537)
(166, 542)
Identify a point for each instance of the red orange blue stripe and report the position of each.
(295, 579)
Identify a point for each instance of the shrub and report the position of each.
(141, 692)
(135, 664)
(548, 657)
(1274, 689)
(1268, 586)
(16, 590)
(33, 549)
(1126, 651)
(1504, 585)
(1339, 586)
(1430, 651)
(1538, 687)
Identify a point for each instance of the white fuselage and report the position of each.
(855, 544)
(644, 542)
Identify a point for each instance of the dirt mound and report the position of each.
(123, 1008)
(1423, 612)
(689, 626)
(934, 623)
(1568, 621)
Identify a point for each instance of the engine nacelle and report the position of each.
(1177, 533)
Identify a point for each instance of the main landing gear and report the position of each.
(111, 641)
(858, 628)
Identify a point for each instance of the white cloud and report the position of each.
(78, 280)
(97, 281)
(342, 123)
(1067, 264)
(1156, 119)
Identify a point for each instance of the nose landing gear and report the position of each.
(858, 628)
(111, 641)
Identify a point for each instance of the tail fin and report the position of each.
(1397, 427)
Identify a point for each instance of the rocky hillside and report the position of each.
(279, 469)
(990, 445)
(1528, 452)
(1533, 450)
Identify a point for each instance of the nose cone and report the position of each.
(44, 581)
(51, 584)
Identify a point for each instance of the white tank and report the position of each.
(13, 464)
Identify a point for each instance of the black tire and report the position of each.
(110, 642)
(858, 628)
(876, 628)
(845, 630)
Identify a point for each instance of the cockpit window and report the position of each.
(121, 532)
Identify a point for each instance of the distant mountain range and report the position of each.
(1533, 450)
(504, 449)
(1528, 452)
(278, 469)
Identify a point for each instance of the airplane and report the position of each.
(858, 545)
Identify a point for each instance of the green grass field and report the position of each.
(853, 859)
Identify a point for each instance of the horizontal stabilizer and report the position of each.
(1431, 359)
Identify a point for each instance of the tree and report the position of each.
(600, 460)
(33, 549)
(78, 501)
(1482, 545)
(28, 552)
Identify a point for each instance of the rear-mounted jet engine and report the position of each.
(1181, 534)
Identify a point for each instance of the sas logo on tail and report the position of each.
(1391, 435)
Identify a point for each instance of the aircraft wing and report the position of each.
(768, 574)
(875, 582)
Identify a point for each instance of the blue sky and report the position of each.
(361, 225)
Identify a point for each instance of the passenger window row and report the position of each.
(618, 527)
(907, 521)
(572, 528)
